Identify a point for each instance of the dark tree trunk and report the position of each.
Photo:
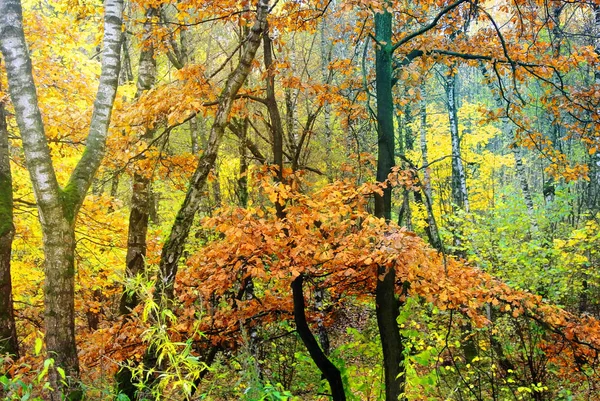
(242, 182)
(135, 260)
(385, 112)
(271, 103)
(8, 333)
(328, 369)
(140, 192)
(385, 297)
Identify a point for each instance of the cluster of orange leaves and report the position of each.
(330, 238)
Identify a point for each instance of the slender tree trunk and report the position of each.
(126, 73)
(272, 107)
(196, 137)
(114, 185)
(242, 182)
(387, 305)
(135, 260)
(525, 188)
(58, 207)
(431, 229)
(328, 369)
(520, 168)
(8, 333)
(594, 185)
(459, 180)
(326, 50)
(424, 150)
(409, 138)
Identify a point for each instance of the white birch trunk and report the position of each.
(58, 207)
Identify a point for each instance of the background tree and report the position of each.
(8, 330)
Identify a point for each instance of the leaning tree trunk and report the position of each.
(328, 369)
(8, 333)
(326, 55)
(273, 109)
(173, 248)
(387, 305)
(174, 245)
(58, 207)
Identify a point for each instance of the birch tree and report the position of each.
(58, 206)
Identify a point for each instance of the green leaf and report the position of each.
(38, 345)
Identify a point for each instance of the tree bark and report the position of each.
(387, 305)
(525, 188)
(385, 111)
(431, 228)
(326, 54)
(135, 261)
(328, 369)
(8, 333)
(459, 180)
(594, 185)
(242, 182)
(272, 107)
(173, 248)
(423, 143)
(58, 207)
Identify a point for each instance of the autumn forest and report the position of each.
(300, 200)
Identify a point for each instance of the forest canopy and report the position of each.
(299, 200)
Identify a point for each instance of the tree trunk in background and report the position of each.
(175, 243)
(594, 185)
(135, 261)
(424, 151)
(517, 152)
(197, 138)
(242, 182)
(387, 305)
(326, 50)
(139, 214)
(459, 179)
(525, 188)
(431, 229)
(58, 207)
(273, 109)
(406, 143)
(126, 73)
(8, 333)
